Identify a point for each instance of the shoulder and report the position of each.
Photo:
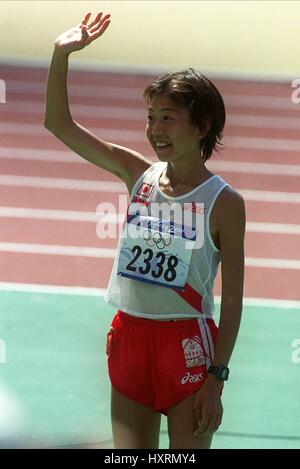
(231, 218)
(230, 203)
(136, 170)
(232, 194)
(230, 214)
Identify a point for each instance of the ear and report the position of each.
(204, 129)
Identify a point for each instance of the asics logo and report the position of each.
(192, 378)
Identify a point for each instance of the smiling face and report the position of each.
(170, 130)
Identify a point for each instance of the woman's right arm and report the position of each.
(125, 163)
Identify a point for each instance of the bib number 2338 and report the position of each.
(154, 257)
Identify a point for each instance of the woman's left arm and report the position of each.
(231, 222)
(231, 237)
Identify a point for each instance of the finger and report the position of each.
(95, 20)
(218, 422)
(96, 34)
(99, 24)
(86, 18)
(205, 428)
(207, 425)
(211, 427)
(203, 434)
(202, 426)
(198, 413)
(215, 422)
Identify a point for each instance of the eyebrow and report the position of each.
(164, 109)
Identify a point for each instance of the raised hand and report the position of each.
(83, 34)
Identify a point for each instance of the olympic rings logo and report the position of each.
(161, 240)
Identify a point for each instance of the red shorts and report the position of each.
(159, 363)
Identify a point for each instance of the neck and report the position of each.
(179, 173)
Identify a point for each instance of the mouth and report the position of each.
(162, 146)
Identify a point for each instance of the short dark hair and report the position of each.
(194, 91)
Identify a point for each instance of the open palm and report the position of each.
(83, 34)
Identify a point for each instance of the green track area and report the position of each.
(56, 367)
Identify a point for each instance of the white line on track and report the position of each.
(275, 144)
(114, 218)
(119, 187)
(135, 137)
(272, 263)
(274, 228)
(83, 251)
(55, 289)
(139, 115)
(39, 154)
(62, 183)
(99, 292)
(271, 196)
(14, 128)
(135, 94)
(254, 168)
(64, 215)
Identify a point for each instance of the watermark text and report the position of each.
(296, 353)
(296, 94)
(2, 91)
(185, 221)
(2, 352)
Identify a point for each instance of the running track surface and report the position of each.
(48, 237)
(260, 159)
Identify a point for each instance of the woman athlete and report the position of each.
(165, 353)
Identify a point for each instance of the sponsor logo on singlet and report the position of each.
(137, 200)
(193, 207)
(197, 378)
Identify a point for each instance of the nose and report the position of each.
(156, 129)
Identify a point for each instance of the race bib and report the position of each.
(154, 251)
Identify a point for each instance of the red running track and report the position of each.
(26, 85)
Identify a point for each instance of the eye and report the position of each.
(150, 118)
